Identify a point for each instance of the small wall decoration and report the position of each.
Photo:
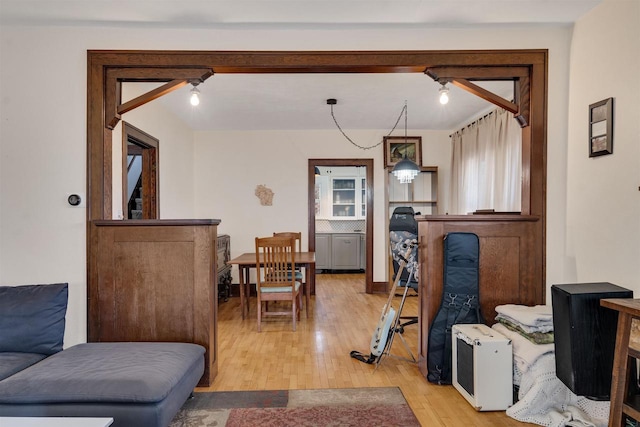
(265, 194)
(601, 128)
(395, 148)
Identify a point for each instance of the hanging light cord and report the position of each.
(403, 111)
(405, 124)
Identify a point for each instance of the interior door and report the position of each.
(139, 174)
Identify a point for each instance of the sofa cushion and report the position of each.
(10, 363)
(32, 318)
(105, 372)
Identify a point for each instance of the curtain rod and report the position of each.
(474, 122)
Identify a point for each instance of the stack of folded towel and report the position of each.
(534, 323)
(530, 330)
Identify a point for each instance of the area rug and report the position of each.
(382, 406)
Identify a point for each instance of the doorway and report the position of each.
(367, 200)
(140, 173)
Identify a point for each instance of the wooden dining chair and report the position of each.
(297, 236)
(298, 271)
(275, 259)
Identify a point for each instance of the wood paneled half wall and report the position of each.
(155, 280)
(511, 256)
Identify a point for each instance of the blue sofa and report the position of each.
(140, 384)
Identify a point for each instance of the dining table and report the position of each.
(247, 261)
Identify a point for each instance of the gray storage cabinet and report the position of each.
(345, 251)
(340, 251)
(323, 251)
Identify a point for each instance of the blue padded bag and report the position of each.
(460, 301)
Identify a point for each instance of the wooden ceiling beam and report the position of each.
(160, 74)
(151, 95)
(485, 94)
(477, 73)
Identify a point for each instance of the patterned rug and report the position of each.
(384, 406)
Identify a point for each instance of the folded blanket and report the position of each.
(525, 353)
(546, 401)
(534, 337)
(538, 318)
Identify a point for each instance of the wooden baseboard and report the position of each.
(380, 287)
(235, 289)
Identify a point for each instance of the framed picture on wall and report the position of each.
(396, 147)
(601, 128)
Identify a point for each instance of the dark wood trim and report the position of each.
(138, 74)
(478, 73)
(497, 217)
(485, 94)
(260, 62)
(461, 76)
(155, 222)
(102, 93)
(173, 300)
(380, 288)
(177, 77)
(100, 61)
(151, 95)
(523, 100)
(368, 163)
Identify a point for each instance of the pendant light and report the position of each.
(444, 94)
(405, 170)
(195, 95)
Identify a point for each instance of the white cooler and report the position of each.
(482, 364)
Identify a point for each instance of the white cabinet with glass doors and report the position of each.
(341, 197)
(348, 198)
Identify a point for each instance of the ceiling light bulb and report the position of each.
(444, 94)
(195, 96)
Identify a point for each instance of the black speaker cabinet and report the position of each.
(585, 336)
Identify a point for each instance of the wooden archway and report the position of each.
(528, 68)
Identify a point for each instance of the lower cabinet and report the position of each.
(363, 252)
(339, 251)
(345, 252)
(323, 251)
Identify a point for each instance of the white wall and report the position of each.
(43, 128)
(229, 166)
(603, 201)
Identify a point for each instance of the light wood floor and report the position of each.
(342, 319)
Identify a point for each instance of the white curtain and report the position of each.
(486, 165)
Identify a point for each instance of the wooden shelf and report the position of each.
(423, 190)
